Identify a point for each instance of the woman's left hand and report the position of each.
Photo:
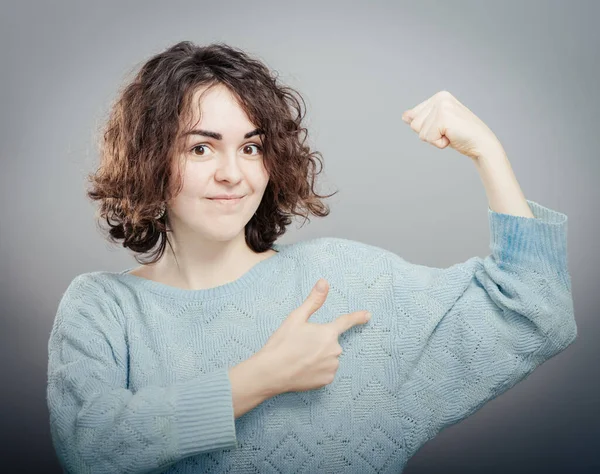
(442, 120)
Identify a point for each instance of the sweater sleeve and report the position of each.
(473, 330)
(97, 424)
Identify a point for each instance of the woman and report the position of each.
(221, 352)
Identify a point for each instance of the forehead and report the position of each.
(215, 103)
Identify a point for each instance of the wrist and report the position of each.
(491, 151)
(266, 376)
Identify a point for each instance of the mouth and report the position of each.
(229, 201)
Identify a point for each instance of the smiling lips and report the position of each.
(227, 202)
(226, 196)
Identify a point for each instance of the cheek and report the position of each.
(194, 181)
(189, 199)
(259, 176)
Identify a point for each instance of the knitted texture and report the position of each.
(137, 372)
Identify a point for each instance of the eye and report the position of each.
(258, 147)
(198, 146)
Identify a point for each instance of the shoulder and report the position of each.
(346, 248)
(90, 295)
(88, 284)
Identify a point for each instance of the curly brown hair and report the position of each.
(143, 134)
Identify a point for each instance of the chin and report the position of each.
(225, 235)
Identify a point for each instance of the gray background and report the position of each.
(528, 69)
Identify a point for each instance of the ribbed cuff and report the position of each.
(204, 414)
(538, 243)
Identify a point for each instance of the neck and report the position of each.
(205, 264)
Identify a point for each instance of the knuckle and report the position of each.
(446, 105)
(333, 333)
(315, 304)
(318, 297)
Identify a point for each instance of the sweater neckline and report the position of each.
(255, 273)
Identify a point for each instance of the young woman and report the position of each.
(228, 352)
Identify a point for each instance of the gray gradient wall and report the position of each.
(528, 69)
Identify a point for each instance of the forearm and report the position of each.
(251, 384)
(501, 187)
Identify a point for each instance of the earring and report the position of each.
(161, 212)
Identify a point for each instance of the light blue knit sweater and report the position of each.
(137, 375)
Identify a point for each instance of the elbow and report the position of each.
(563, 334)
(556, 317)
(571, 333)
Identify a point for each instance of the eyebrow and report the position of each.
(218, 136)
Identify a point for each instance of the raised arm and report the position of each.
(505, 315)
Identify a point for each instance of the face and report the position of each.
(210, 167)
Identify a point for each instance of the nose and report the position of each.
(228, 168)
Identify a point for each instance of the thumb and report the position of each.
(313, 302)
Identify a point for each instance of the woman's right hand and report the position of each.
(301, 355)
